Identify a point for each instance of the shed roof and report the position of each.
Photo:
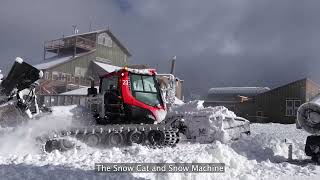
(57, 60)
(238, 90)
(107, 67)
(291, 83)
(53, 62)
(81, 91)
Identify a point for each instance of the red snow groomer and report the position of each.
(128, 108)
(129, 96)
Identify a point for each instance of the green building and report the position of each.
(76, 58)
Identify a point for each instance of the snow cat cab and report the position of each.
(128, 96)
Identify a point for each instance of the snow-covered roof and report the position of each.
(53, 62)
(91, 32)
(56, 60)
(107, 67)
(81, 91)
(238, 90)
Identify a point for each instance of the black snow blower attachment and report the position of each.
(17, 93)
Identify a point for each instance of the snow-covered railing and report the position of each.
(77, 41)
(63, 100)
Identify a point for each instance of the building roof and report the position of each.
(81, 91)
(113, 37)
(238, 90)
(57, 60)
(107, 67)
(86, 33)
(291, 83)
(53, 62)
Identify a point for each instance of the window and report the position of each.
(79, 71)
(105, 40)
(108, 82)
(292, 106)
(259, 113)
(68, 77)
(55, 75)
(144, 89)
(63, 77)
(76, 80)
(46, 75)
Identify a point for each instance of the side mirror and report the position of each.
(92, 91)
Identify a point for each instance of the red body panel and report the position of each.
(128, 98)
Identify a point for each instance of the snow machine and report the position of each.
(17, 95)
(308, 119)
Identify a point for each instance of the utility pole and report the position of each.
(75, 31)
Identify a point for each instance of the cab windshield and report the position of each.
(145, 89)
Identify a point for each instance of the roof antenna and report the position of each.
(90, 27)
(75, 30)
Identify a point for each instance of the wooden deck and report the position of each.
(67, 43)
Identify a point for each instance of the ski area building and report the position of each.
(260, 104)
(76, 58)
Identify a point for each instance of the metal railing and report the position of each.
(76, 41)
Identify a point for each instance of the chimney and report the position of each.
(173, 62)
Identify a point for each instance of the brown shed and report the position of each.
(281, 104)
(278, 105)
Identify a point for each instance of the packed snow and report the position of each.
(262, 155)
(207, 124)
(19, 60)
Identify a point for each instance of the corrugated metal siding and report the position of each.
(114, 53)
(273, 103)
(69, 67)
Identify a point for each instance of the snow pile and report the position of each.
(177, 101)
(19, 60)
(208, 124)
(21, 140)
(259, 156)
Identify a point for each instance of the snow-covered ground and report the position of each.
(262, 155)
